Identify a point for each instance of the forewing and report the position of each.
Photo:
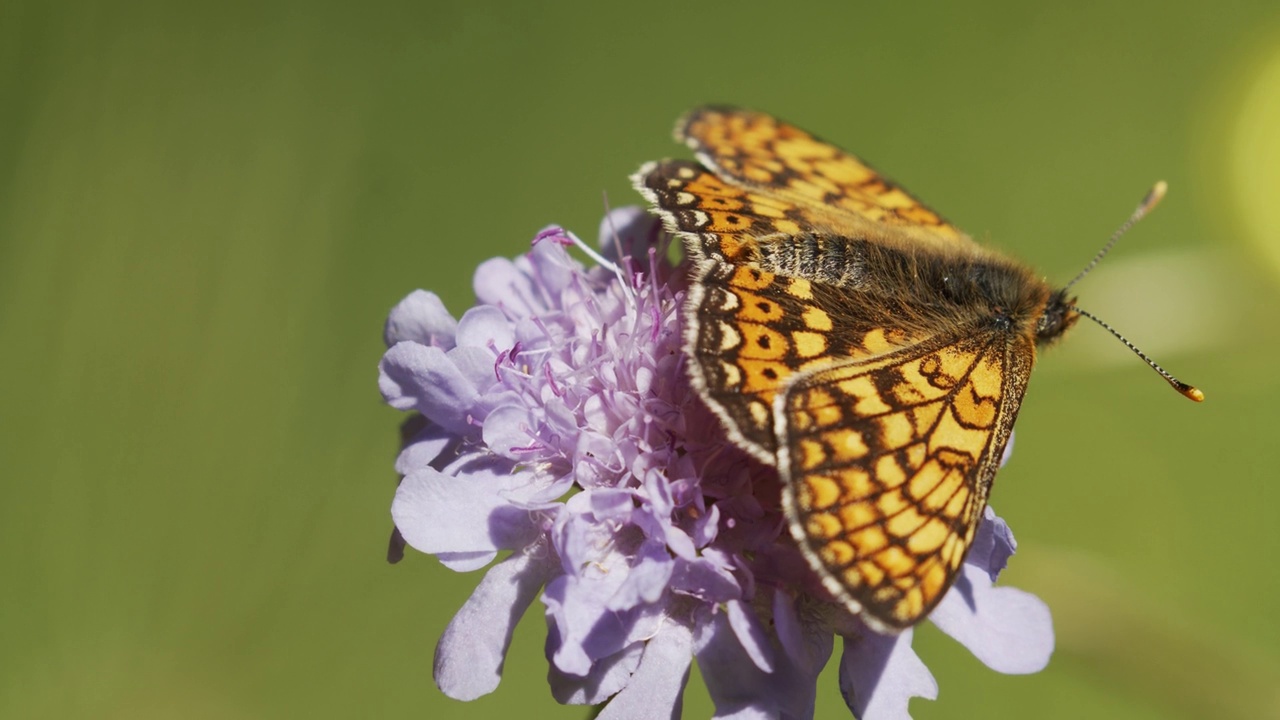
(748, 331)
(718, 220)
(887, 463)
(835, 190)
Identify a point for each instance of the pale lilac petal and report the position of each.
(993, 545)
(737, 686)
(608, 675)
(422, 318)
(1009, 630)
(656, 689)
(588, 629)
(787, 625)
(646, 581)
(439, 513)
(879, 674)
(508, 431)
(466, 561)
(423, 447)
(471, 652)
(705, 579)
(475, 364)
(627, 231)
(485, 326)
(416, 377)
(553, 269)
(749, 632)
(498, 282)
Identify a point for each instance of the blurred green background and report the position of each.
(206, 210)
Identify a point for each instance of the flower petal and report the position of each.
(608, 675)
(485, 326)
(500, 283)
(879, 674)
(1009, 630)
(466, 561)
(993, 545)
(471, 652)
(508, 431)
(416, 377)
(423, 447)
(657, 688)
(750, 633)
(647, 579)
(422, 318)
(439, 513)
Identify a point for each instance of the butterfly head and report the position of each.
(1059, 314)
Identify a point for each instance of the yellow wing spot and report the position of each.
(924, 416)
(813, 454)
(925, 481)
(911, 604)
(916, 454)
(934, 578)
(823, 492)
(890, 502)
(877, 341)
(823, 526)
(815, 318)
(730, 338)
(890, 474)
(809, 344)
(945, 485)
(856, 483)
(869, 571)
(869, 403)
(848, 444)
(870, 540)
(928, 538)
(896, 561)
(800, 288)
(896, 431)
(732, 375)
(760, 414)
(858, 515)
(729, 302)
(787, 227)
(844, 172)
(951, 434)
(837, 553)
(955, 506)
(905, 522)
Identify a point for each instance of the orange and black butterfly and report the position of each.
(851, 337)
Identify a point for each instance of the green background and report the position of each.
(206, 211)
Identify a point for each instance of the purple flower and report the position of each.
(556, 427)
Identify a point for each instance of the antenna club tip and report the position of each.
(1191, 392)
(1154, 197)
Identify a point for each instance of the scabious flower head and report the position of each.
(556, 427)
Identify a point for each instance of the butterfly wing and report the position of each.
(836, 191)
(887, 463)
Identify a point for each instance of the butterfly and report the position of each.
(851, 337)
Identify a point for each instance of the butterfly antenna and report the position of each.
(1147, 205)
(1189, 391)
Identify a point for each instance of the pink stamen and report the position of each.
(546, 370)
(556, 233)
